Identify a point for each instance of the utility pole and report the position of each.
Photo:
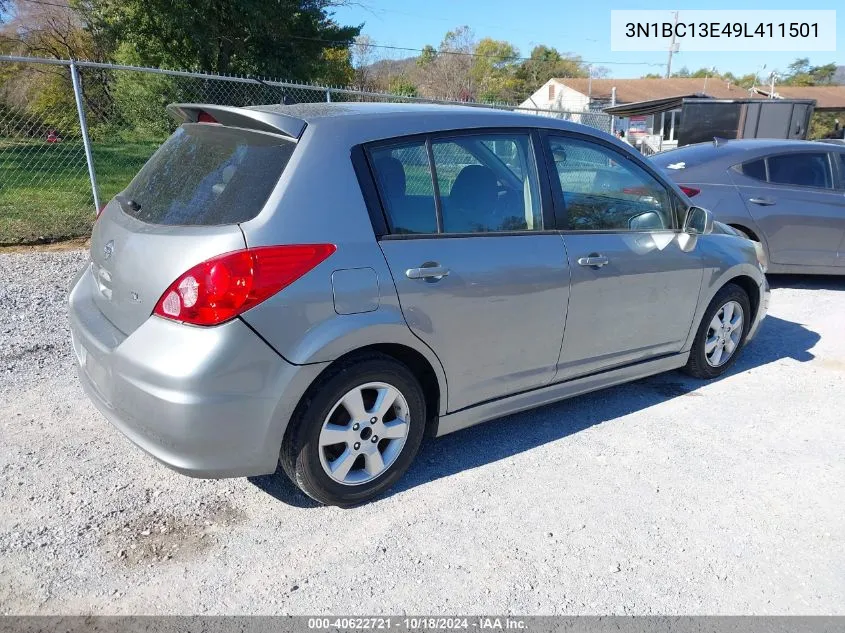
(772, 78)
(673, 48)
(707, 76)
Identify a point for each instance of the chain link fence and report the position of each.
(57, 116)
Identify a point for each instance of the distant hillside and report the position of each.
(394, 67)
(839, 77)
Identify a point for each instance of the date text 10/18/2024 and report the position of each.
(411, 623)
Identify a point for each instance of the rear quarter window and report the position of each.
(754, 169)
(208, 175)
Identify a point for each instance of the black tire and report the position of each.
(742, 233)
(300, 454)
(697, 365)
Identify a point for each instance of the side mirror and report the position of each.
(698, 221)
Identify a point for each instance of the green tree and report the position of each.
(544, 63)
(824, 74)
(336, 68)
(493, 70)
(445, 72)
(280, 38)
(403, 86)
(427, 56)
(801, 66)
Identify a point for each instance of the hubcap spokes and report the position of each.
(364, 433)
(723, 334)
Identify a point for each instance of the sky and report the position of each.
(569, 28)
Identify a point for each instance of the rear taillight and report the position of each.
(205, 117)
(221, 288)
(690, 191)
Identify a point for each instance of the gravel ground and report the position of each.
(666, 496)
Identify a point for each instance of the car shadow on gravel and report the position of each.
(281, 488)
(778, 339)
(808, 282)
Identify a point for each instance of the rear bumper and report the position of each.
(207, 402)
(762, 310)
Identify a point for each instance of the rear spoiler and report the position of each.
(239, 117)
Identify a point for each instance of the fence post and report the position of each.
(83, 126)
(328, 95)
(613, 116)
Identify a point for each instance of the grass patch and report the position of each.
(45, 193)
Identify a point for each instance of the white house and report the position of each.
(581, 95)
(556, 95)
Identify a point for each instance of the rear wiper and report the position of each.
(127, 204)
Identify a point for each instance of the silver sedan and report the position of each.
(787, 195)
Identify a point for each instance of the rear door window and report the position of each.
(207, 175)
(404, 179)
(485, 183)
(801, 170)
(488, 183)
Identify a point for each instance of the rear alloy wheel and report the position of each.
(721, 333)
(356, 432)
(364, 433)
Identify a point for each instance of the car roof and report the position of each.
(313, 112)
(733, 151)
(357, 123)
(374, 119)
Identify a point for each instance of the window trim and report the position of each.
(561, 213)
(435, 186)
(839, 169)
(367, 182)
(378, 209)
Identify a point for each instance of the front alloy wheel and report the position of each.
(724, 334)
(721, 333)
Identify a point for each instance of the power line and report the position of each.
(414, 50)
(439, 52)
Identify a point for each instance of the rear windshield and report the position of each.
(685, 157)
(206, 175)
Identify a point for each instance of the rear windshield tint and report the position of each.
(207, 175)
(677, 160)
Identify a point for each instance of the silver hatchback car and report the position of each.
(323, 285)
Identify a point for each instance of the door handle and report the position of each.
(763, 202)
(429, 273)
(593, 260)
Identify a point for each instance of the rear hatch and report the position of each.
(182, 208)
